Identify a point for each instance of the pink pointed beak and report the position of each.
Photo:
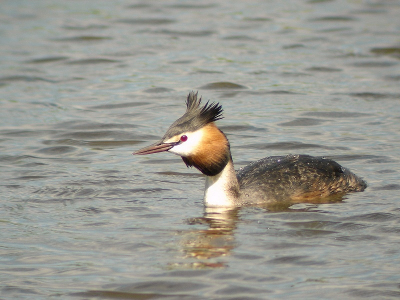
(155, 148)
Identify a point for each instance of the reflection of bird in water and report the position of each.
(277, 179)
(208, 246)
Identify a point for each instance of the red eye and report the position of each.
(184, 138)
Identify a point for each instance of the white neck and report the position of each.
(222, 190)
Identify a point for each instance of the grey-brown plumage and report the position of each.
(295, 178)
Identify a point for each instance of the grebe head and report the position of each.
(195, 138)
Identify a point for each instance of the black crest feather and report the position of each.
(196, 116)
(210, 112)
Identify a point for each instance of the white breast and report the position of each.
(218, 190)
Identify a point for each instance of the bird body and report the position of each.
(276, 179)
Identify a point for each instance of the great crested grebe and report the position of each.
(291, 178)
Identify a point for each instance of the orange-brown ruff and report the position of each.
(212, 150)
(277, 179)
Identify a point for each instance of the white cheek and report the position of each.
(189, 147)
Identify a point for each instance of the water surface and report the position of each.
(85, 83)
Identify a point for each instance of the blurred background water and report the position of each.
(83, 84)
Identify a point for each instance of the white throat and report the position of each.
(222, 189)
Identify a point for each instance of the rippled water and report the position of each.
(83, 84)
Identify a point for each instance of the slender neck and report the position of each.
(222, 190)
